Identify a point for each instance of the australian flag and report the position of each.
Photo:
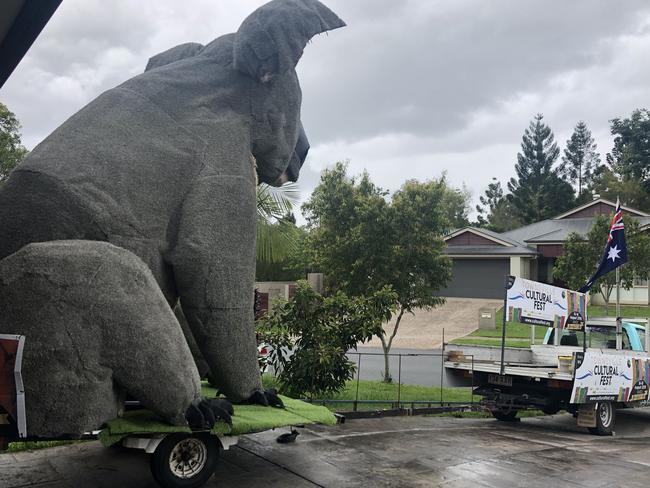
(615, 251)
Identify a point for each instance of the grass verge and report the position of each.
(521, 332)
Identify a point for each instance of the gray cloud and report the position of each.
(409, 89)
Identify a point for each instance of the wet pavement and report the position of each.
(378, 453)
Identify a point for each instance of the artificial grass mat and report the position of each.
(247, 419)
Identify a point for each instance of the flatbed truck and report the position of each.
(589, 375)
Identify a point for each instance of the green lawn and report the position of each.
(626, 311)
(492, 337)
(377, 390)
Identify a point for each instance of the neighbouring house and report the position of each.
(482, 259)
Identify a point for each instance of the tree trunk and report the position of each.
(606, 296)
(387, 345)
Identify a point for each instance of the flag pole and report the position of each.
(618, 292)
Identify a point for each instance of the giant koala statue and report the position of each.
(145, 197)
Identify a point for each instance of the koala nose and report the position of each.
(299, 156)
(282, 179)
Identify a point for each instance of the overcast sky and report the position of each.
(409, 89)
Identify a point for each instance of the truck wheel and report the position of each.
(605, 417)
(504, 415)
(551, 409)
(185, 460)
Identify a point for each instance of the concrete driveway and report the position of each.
(378, 453)
(423, 330)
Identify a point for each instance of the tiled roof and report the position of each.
(555, 230)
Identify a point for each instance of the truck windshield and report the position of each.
(641, 333)
(605, 338)
(598, 337)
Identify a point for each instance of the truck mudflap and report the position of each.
(13, 423)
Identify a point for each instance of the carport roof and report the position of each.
(21, 21)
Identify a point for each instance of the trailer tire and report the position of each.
(605, 418)
(177, 453)
(504, 415)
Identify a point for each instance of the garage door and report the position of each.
(477, 278)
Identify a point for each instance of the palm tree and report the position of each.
(275, 231)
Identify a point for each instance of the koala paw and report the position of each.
(204, 414)
(266, 398)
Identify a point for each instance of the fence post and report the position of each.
(399, 382)
(472, 397)
(356, 397)
(442, 364)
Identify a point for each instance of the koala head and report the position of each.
(265, 51)
(267, 47)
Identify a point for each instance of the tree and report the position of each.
(580, 159)
(538, 192)
(11, 150)
(276, 229)
(293, 266)
(582, 255)
(363, 243)
(495, 212)
(627, 173)
(310, 336)
(456, 204)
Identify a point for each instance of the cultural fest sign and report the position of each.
(600, 376)
(530, 302)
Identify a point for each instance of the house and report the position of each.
(482, 259)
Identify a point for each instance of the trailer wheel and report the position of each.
(605, 418)
(504, 415)
(185, 460)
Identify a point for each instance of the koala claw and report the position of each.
(204, 414)
(267, 398)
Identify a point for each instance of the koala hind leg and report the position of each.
(97, 327)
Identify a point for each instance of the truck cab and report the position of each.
(600, 333)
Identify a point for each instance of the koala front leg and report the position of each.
(214, 269)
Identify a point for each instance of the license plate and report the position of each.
(497, 379)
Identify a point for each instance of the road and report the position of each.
(395, 452)
(419, 366)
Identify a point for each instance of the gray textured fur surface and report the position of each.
(159, 170)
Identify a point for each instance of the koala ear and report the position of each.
(271, 40)
(174, 54)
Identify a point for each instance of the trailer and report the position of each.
(180, 456)
(588, 367)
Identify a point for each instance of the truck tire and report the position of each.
(551, 409)
(504, 415)
(605, 418)
(185, 460)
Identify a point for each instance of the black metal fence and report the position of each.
(432, 399)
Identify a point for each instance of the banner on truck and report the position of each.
(609, 377)
(530, 302)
